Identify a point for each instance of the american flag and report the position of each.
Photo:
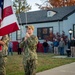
(8, 20)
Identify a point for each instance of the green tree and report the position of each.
(21, 6)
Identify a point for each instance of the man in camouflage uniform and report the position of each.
(29, 48)
(3, 48)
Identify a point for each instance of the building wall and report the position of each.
(68, 24)
(58, 26)
(52, 24)
(13, 36)
(38, 25)
(55, 26)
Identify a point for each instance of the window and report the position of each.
(74, 30)
(44, 33)
(50, 13)
(18, 35)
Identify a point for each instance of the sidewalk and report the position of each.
(68, 69)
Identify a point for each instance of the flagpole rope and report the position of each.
(20, 21)
(26, 17)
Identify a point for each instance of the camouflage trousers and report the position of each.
(30, 67)
(2, 65)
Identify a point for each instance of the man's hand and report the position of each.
(27, 35)
(1, 42)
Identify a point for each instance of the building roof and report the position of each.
(41, 15)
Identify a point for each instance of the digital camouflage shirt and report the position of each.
(29, 47)
(6, 40)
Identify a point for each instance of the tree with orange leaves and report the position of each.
(48, 4)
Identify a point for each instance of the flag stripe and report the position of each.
(7, 11)
(8, 20)
(7, 3)
(8, 29)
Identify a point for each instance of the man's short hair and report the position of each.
(30, 26)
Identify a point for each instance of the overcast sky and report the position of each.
(32, 3)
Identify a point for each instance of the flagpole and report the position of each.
(26, 16)
(20, 21)
(25, 13)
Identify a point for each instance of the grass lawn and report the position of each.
(45, 61)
